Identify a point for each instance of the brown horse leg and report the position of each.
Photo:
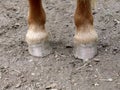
(36, 36)
(86, 37)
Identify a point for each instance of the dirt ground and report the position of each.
(60, 70)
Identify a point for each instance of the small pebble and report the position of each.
(31, 60)
(0, 75)
(107, 80)
(117, 21)
(110, 79)
(86, 60)
(18, 85)
(96, 84)
(95, 76)
(54, 89)
(50, 87)
(56, 56)
(33, 74)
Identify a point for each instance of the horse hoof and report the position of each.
(85, 51)
(40, 50)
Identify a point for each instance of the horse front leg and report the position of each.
(85, 37)
(36, 36)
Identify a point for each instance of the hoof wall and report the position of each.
(85, 51)
(40, 50)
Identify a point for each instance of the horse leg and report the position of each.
(36, 36)
(85, 37)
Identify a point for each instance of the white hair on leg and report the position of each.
(93, 3)
(35, 35)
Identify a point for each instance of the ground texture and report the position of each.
(60, 70)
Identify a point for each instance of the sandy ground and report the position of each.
(60, 70)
